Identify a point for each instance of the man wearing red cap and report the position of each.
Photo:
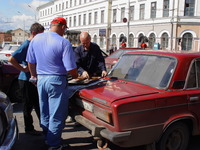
(54, 57)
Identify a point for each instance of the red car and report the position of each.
(149, 98)
(9, 81)
(114, 57)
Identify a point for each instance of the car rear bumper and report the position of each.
(99, 131)
(11, 136)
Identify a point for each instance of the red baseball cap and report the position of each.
(59, 20)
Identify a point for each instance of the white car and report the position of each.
(6, 52)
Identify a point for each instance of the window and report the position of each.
(84, 19)
(70, 3)
(187, 42)
(102, 16)
(79, 2)
(66, 4)
(132, 9)
(85, 1)
(122, 13)
(95, 39)
(142, 7)
(74, 2)
(79, 20)
(101, 41)
(114, 15)
(56, 7)
(189, 7)
(74, 21)
(131, 40)
(166, 8)
(90, 18)
(114, 39)
(62, 6)
(152, 39)
(70, 21)
(95, 17)
(59, 7)
(153, 10)
(164, 40)
(194, 75)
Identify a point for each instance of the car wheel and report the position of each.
(176, 137)
(14, 93)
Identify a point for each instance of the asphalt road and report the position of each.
(77, 137)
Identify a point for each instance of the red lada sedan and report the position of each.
(149, 98)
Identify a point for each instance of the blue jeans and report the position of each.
(53, 99)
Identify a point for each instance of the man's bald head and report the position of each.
(85, 39)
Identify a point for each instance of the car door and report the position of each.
(193, 88)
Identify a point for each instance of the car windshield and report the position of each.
(117, 54)
(152, 70)
(13, 48)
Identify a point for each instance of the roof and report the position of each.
(169, 53)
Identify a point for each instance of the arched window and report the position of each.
(131, 40)
(114, 39)
(187, 42)
(95, 39)
(101, 41)
(152, 39)
(122, 38)
(164, 41)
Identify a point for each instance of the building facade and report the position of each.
(5, 37)
(161, 24)
(19, 36)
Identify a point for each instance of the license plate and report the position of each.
(85, 105)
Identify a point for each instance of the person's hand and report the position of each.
(85, 75)
(104, 73)
(33, 80)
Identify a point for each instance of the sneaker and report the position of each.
(61, 147)
(34, 132)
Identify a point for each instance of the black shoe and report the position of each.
(34, 132)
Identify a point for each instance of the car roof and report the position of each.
(178, 54)
(133, 48)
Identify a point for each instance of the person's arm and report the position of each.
(14, 62)
(32, 68)
(73, 73)
(101, 63)
(78, 60)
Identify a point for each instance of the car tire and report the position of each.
(176, 137)
(14, 93)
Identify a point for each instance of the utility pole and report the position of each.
(128, 24)
(108, 31)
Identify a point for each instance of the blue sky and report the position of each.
(16, 14)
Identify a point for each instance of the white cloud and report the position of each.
(23, 21)
(25, 15)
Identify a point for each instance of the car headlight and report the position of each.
(103, 114)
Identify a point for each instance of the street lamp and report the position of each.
(33, 10)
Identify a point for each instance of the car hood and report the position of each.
(112, 90)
